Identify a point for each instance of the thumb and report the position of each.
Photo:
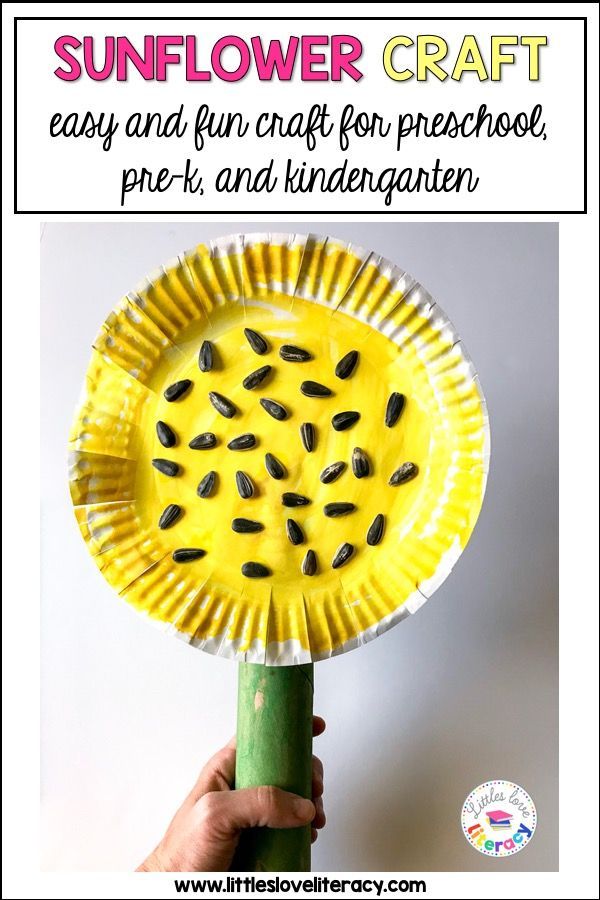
(228, 811)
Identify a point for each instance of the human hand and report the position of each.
(205, 830)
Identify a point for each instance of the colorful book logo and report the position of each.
(489, 827)
(498, 819)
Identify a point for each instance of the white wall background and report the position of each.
(463, 692)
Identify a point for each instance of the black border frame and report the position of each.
(276, 212)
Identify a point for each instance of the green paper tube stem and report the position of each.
(274, 747)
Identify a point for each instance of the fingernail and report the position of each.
(304, 809)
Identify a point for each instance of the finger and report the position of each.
(219, 772)
(314, 834)
(223, 762)
(225, 812)
(317, 767)
(217, 775)
(317, 777)
(320, 819)
(319, 726)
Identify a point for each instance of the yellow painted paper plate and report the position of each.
(195, 533)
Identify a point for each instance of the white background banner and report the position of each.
(394, 115)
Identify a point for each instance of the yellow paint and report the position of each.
(152, 339)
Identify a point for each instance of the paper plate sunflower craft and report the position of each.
(281, 452)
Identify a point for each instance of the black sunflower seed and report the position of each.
(256, 341)
(307, 435)
(346, 365)
(246, 526)
(188, 554)
(406, 472)
(314, 389)
(166, 467)
(255, 378)
(274, 467)
(243, 442)
(255, 570)
(333, 510)
(207, 485)
(222, 404)
(165, 434)
(342, 421)
(375, 532)
(170, 515)
(394, 408)
(177, 390)
(244, 485)
(203, 441)
(205, 357)
(291, 499)
(360, 463)
(342, 555)
(275, 409)
(332, 472)
(294, 354)
(309, 563)
(294, 532)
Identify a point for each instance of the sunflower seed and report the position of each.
(205, 357)
(309, 563)
(274, 467)
(394, 408)
(187, 554)
(244, 485)
(246, 526)
(256, 341)
(314, 389)
(222, 404)
(255, 570)
(406, 472)
(170, 515)
(346, 365)
(165, 434)
(342, 555)
(255, 378)
(291, 499)
(342, 421)
(333, 510)
(203, 441)
(275, 409)
(332, 472)
(177, 390)
(375, 532)
(307, 435)
(360, 463)
(294, 354)
(207, 485)
(294, 532)
(166, 467)
(243, 442)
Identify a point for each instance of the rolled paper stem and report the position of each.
(274, 747)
